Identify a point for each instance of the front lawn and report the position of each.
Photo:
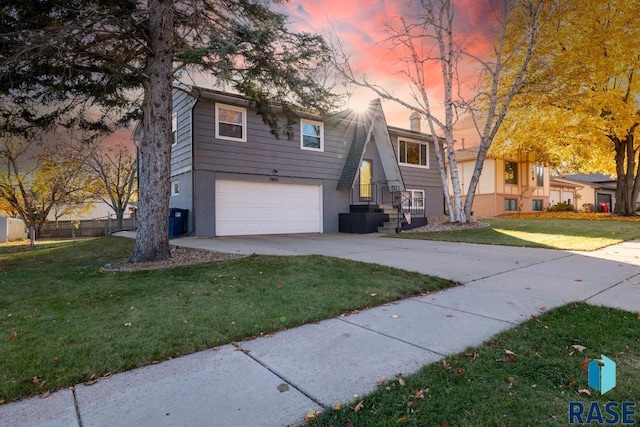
(542, 232)
(63, 322)
(526, 376)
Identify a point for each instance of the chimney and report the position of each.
(414, 119)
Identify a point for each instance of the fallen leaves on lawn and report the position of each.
(37, 381)
(584, 364)
(359, 406)
(459, 373)
(401, 381)
(511, 381)
(419, 394)
(402, 420)
(337, 406)
(510, 355)
(578, 347)
(381, 381)
(584, 391)
(13, 336)
(311, 416)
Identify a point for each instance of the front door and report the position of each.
(366, 175)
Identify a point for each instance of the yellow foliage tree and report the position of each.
(582, 110)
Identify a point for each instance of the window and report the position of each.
(510, 173)
(231, 122)
(540, 176)
(537, 205)
(174, 129)
(510, 204)
(416, 199)
(175, 188)
(413, 153)
(311, 135)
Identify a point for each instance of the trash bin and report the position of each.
(177, 221)
(604, 207)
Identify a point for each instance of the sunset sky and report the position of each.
(360, 27)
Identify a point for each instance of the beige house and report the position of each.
(591, 192)
(506, 185)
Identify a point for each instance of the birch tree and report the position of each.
(93, 63)
(430, 38)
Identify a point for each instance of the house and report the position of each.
(507, 184)
(593, 192)
(233, 177)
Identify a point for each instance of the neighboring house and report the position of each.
(506, 184)
(11, 229)
(235, 178)
(564, 191)
(593, 192)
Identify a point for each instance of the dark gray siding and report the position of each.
(262, 152)
(263, 158)
(181, 152)
(426, 179)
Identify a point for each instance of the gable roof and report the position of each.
(370, 127)
(598, 181)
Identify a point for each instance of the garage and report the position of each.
(250, 208)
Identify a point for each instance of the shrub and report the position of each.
(561, 207)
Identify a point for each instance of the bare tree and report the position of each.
(428, 38)
(116, 171)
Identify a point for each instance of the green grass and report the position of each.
(484, 387)
(565, 234)
(63, 321)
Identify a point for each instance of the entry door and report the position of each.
(366, 176)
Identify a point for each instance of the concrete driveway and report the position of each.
(607, 276)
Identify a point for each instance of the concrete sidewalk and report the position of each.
(274, 381)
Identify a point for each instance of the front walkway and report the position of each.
(274, 381)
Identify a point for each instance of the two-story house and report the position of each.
(507, 184)
(235, 178)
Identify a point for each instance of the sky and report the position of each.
(360, 28)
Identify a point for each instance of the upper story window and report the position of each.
(413, 153)
(174, 129)
(540, 175)
(510, 172)
(175, 188)
(311, 135)
(231, 122)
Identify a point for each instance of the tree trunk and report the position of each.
(628, 180)
(475, 178)
(152, 239)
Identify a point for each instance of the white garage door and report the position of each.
(246, 208)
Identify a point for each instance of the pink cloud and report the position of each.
(360, 28)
